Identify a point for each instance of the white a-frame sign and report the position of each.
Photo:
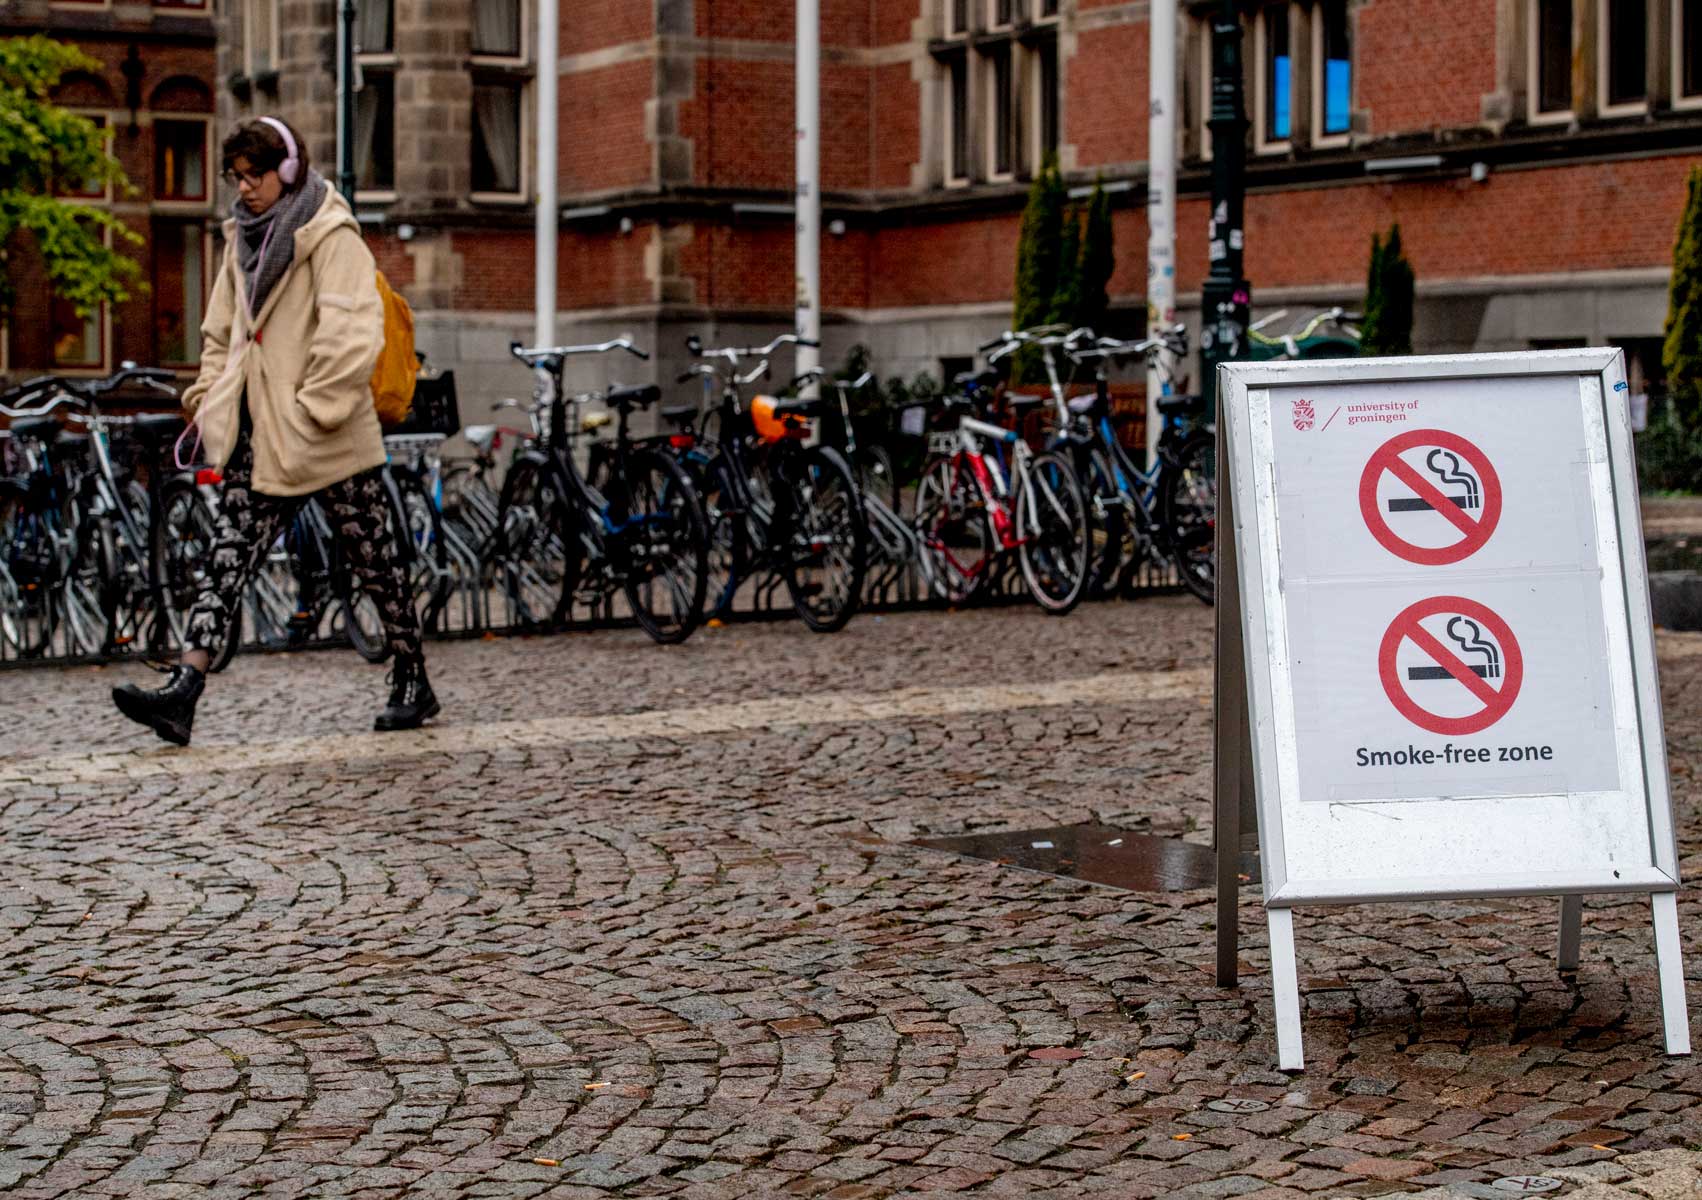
(1445, 685)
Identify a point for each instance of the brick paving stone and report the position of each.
(651, 913)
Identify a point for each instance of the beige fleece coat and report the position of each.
(305, 361)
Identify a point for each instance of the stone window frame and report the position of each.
(973, 54)
(1675, 70)
(209, 175)
(1260, 115)
(208, 254)
(519, 71)
(1534, 114)
(266, 10)
(382, 64)
(1633, 108)
(1314, 72)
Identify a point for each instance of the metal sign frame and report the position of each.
(1256, 748)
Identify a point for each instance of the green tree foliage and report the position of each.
(1039, 250)
(1066, 292)
(43, 148)
(1098, 260)
(1389, 291)
(1682, 353)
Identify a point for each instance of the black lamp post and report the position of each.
(346, 152)
(1226, 298)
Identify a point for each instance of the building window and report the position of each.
(497, 29)
(1276, 78)
(180, 160)
(1001, 100)
(957, 112)
(1048, 123)
(1001, 159)
(76, 339)
(1687, 50)
(375, 26)
(1551, 58)
(88, 189)
(1332, 80)
(1624, 55)
(375, 133)
(179, 281)
(260, 36)
(497, 139)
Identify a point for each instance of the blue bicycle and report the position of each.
(1166, 512)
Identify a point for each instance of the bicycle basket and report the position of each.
(781, 427)
(435, 409)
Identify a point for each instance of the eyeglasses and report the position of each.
(252, 179)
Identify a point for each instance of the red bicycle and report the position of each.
(985, 496)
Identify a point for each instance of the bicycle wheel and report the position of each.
(825, 547)
(363, 625)
(428, 568)
(1052, 530)
(30, 576)
(956, 538)
(528, 557)
(183, 547)
(665, 547)
(729, 541)
(1109, 526)
(91, 594)
(1188, 509)
(876, 475)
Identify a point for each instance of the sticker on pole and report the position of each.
(1430, 497)
(1450, 666)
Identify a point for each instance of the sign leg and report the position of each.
(1571, 927)
(1669, 960)
(1232, 764)
(1285, 989)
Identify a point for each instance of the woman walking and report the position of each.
(284, 407)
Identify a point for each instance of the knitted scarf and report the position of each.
(265, 242)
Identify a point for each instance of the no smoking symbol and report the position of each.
(1457, 483)
(1484, 659)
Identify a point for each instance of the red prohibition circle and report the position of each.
(1496, 701)
(1475, 532)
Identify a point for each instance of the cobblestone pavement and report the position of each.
(634, 921)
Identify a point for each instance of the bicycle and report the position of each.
(970, 512)
(774, 501)
(1306, 340)
(640, 530)
(1165, 512)
(112, 590)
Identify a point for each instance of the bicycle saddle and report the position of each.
(480, 437)
(156, 427)
(596, 420)
(1170, 405)
(1082, 405)
(1021, 404)
(800, 408)
(987, 378)
(683, 415)
(41, 429)
(641, 396)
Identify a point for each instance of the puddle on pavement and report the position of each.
(1135, 862)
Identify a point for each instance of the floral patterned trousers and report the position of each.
(249, 524)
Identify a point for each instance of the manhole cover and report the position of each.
(1095, 853)
(1526, 1185)
(1238, 1106)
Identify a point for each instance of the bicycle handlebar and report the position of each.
(534, 355)
(84, 392)
(734, 353)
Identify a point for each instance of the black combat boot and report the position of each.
(411, 699)
(170, 710)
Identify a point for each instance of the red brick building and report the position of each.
(154, 95)
(1534, 152)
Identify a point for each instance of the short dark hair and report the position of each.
(264, 148)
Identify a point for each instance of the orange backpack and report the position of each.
(398, 366)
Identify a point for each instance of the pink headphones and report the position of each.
(290, 168)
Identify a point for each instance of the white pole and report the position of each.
(548, 218)
(809, 183)
(1161, 199)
